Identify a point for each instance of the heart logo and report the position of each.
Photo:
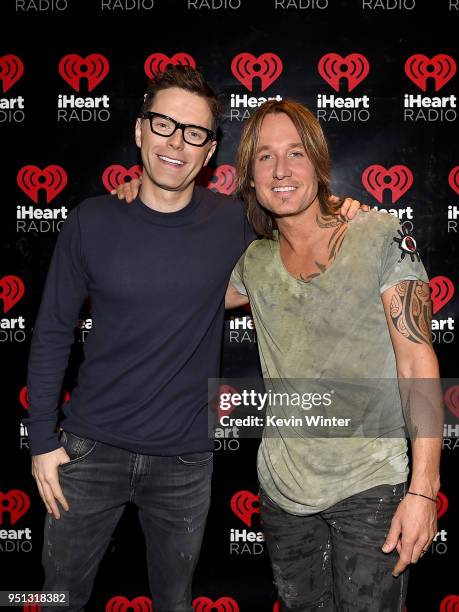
(452, 400)
(94, 68)
(11, 291)
(450, 604)
(441, 68)
(453, 179)
(24, 398)
(16, 503)
(121, 604)
(441, 292)
(267, 67)
(245, 504)
(223, 179)
(223, 604)
(52, 179)
(397, 179)
(354, 68)
(116, 175)
(442, 504)
(158, 62)
(11, 70)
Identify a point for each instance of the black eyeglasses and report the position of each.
(163, 125)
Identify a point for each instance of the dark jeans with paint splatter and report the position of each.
(332, 561)
(172, 495)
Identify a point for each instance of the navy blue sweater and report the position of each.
(157, 283)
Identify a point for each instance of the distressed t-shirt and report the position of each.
(331, 327)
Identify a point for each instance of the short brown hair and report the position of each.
(186, 78)
(316, 148)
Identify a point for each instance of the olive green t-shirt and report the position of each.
(331, 327)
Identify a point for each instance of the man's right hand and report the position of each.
(45, 472)
(127, 191)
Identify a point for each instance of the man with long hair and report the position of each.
(333, 300)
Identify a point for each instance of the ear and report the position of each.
(138, 132)
(210, 152)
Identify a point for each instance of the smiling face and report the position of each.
(284, 178)
(170, 164)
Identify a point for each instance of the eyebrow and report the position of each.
(291, 145)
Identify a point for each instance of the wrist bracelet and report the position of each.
(421, 495)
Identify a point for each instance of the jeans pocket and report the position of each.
(196, 458)
(77, 448)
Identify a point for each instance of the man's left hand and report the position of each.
(349, 207)
(412, 530)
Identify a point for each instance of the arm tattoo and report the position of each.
(411, 311)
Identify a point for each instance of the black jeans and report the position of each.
(332, 561)
(172, 495)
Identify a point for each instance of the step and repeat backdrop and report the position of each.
(381, 75)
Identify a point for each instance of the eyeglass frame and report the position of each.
(178, 126)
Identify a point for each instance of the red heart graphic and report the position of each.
(441, 292)
(450, 604)
(28, 608)
(276, 607)
(121, 604)
(374, 180)
(354, 68)
(11, 70)
(223, 604)
(453, 179)
(94, 68)
(15, 502)
(223, 179)
(419, 68)
(24, 398)
(158, 62)
(52, 179)
(116, 174)
(267, 66)
(11, 291)
(243, 506)
(452, 400)
(442, 504)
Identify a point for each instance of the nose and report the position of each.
(281, 168)
(176, 140)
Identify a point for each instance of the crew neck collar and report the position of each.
(184, 216)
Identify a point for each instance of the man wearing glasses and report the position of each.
(135, 429)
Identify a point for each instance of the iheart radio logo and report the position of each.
(158, 62)
(121, 604)
(223, 604)
(397, 179)
(441, 292)
(450, 604)
(442, 504)
(11, 70)
(223, 179)
(11, 291)
(116, 175)
(276, 607)
(52, 179)
(441, 68)
(334, 67)
(453, 179)
(94, 68)
(16, 503)
(245, 504)
(452, 400)
(267, 67)
(32, 608)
